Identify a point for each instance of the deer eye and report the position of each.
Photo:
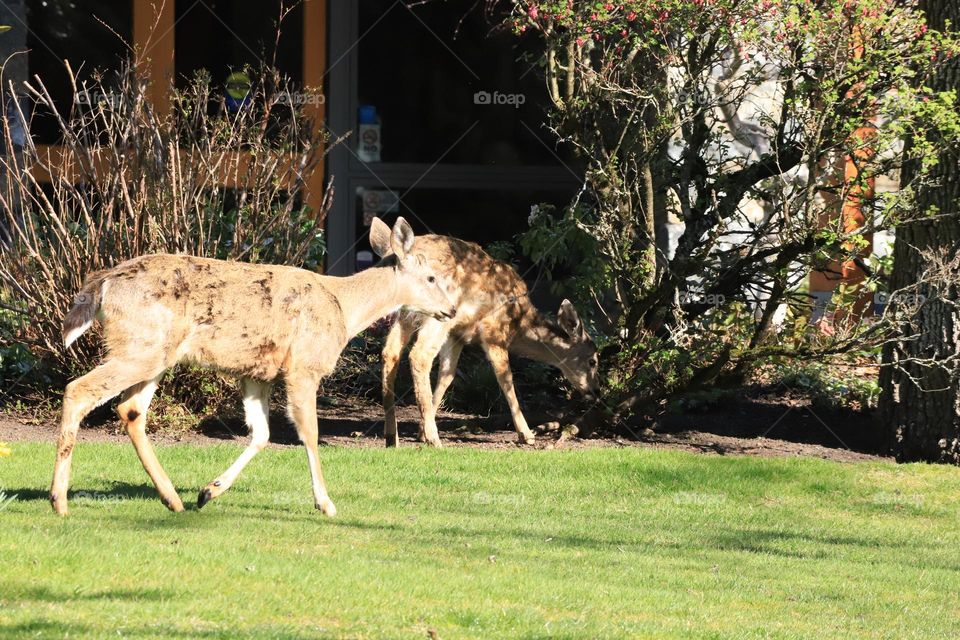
(431, 279)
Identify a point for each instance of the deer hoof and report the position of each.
(176, 505)
(434, 442)
(59, 506)
(204, 497)
(526, 437)
(327, 507)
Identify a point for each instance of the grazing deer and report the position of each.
(255, 321)
(494, 309)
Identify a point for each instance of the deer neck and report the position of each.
(365, 297)
(540, 339)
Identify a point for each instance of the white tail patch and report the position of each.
(71, 337)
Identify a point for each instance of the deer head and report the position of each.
(418, 281)
(579, 363)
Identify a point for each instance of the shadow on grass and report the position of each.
(118, 492)
(771, 542)
(43, 594)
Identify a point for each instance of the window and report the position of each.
(446, 85)
(225, 36)
(94, 40)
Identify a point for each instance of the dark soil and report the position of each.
(749, 422)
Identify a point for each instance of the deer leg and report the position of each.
(449, 357)
(133, 413)
(430, 339)
(397, 339)
(500, 359)
(302, 408)
(79, 398)
(256, 412)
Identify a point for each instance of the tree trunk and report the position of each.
(920, 405)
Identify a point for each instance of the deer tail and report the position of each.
(86, 304)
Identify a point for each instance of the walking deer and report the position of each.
(259, 322)
(493, 309)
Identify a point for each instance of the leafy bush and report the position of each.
(740, 121)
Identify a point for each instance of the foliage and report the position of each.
(829, 385)
(132, 181)
(737, 120)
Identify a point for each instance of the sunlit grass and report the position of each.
(483, 544)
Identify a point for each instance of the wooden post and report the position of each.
(153, 41)
(314, 71)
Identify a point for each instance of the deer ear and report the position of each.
(569, 320)
(380, 237)
(402, 239)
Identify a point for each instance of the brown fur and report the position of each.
(493, 310)
(258, 322)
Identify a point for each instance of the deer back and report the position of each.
(244, 318)
(491, 297)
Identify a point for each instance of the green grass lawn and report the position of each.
(621, 543)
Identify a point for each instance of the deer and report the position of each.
(494, 310)
(257, 322)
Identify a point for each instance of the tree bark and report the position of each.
(920, 404)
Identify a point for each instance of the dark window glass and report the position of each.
(93, 36)
(224, 36)
(447, 85)
(477, 215)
